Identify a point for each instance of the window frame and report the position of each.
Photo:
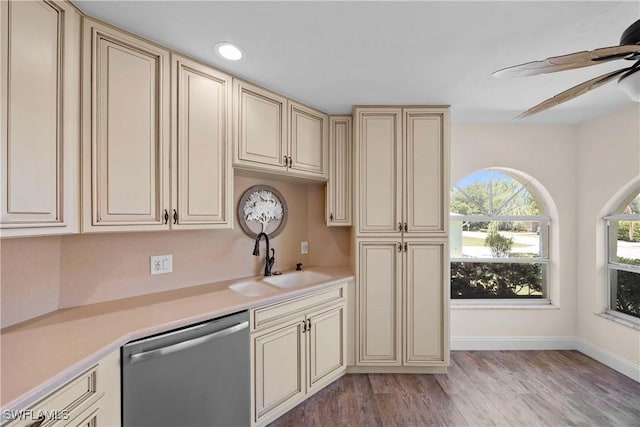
(611, 265)
(544, 257)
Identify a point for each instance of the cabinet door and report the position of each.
(378, 301)
(426, 137)
(426, 301)
(90, 417)
(327, 351)
(378, 171)
(40, 63)
(339, 199)
(260, 134)
(308, 141)
(279, 369)
(126, 131)
(202, 193)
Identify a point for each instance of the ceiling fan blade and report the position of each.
(574, 92)
(571, 61)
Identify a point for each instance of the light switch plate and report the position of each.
(304, 247)
(161, 264)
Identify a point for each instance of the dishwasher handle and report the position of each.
(163, 351)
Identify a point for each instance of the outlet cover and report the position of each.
(304, 247)
(161, 264)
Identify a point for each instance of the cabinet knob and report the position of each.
(175, 216)
(331, 217)
(304, 326)
(399, 226)
(166, 216)
(309, 325)
(399, 247)
(405, 227)
(286, 160)
(290, 161)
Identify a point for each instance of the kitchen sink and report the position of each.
(252, 288)
(296, 279)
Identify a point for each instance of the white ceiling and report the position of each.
(332, 55)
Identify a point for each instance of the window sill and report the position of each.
(617, 318)
(543, 304)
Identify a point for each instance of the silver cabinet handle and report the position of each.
(163, 351)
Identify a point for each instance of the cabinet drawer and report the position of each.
(272, 314)
(59, 407)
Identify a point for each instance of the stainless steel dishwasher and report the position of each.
(195, 376)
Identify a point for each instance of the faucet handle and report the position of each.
(299, 266)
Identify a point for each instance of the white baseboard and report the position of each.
(548, 343)
(513, 343)
(611, 360)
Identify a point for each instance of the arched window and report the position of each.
(623, 229)
(499, 238)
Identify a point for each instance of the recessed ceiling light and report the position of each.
(228, 51)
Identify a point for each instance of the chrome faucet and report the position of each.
(269, 261)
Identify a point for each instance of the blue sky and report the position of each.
(480, 176)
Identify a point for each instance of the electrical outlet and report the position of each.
(304, 247)
(161, 264)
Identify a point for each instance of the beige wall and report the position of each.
(29, 277)
(547, 154)
(43, 274)
(608, 161)
(327, 245)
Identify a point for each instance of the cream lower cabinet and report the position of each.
(39, 114)
(276, 135)
(302, 350)
(402, 306)
(92, 399)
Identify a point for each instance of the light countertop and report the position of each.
(42, 354)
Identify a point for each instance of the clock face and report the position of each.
(262, 209)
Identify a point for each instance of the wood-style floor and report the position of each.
(503, 388)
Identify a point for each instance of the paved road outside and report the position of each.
(531, 245)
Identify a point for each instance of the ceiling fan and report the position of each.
(628, 78)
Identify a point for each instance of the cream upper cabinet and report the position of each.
(202, 176)
(125, 117)
(40, 112)
(276, 135)
(260, 128)
(379, 303)
(426, 186)
(339, 199)
(378, 136)
(402, 169)
(426, 296)
(308, 141)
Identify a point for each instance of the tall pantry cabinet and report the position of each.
(401, 229)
